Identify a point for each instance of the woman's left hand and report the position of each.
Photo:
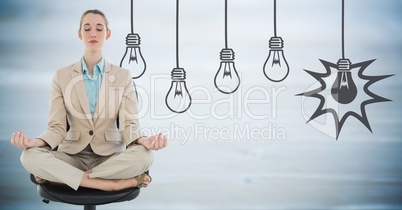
(156, 142)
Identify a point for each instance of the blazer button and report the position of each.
(91, 132)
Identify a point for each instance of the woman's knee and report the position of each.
(143, 154)
(31, 156)
(149, 158)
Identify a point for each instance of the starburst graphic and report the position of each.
(344, 90)
(340, 120)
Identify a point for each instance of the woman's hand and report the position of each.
(21, 141)
(156, 142)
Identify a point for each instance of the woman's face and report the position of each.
(93, 32)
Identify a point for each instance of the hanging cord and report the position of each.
(343, 29)
(226, 24)
(132, 17)
(274, 18)
(177, 34)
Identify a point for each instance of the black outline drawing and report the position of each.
(178, 75)
(133, 42)
(227, 66)
(344, 80)
(276, 57)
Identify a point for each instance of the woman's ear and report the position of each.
(79, 34)
(109, 33)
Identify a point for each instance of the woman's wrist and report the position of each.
(137, 141)
(40, 143)
(140, 140)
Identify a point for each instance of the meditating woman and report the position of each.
(92, 122)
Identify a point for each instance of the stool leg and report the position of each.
(89, 207)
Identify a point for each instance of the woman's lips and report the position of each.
(93, 41)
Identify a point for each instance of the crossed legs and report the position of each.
(119, 171)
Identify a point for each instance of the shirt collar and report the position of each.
(98, 67)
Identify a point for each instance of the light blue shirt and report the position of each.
(92, 85)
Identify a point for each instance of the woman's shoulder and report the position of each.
(65, 74)
(76, 66)
(118, 68)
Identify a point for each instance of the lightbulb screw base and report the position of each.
(178, 74)
(344, 64)
(133, 40)
(227, 54)
(276, 43)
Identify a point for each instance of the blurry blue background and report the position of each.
(292, 165)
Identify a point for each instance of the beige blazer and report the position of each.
(68, 100)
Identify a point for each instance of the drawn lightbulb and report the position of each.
(344, 89)
(178, 98)
(132, 58)
(276, 67)
(227, 79)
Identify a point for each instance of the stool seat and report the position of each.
(84, 196)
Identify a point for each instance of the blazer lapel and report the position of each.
(80, 90)
(104, 94)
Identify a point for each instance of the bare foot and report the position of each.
(142, 180)
(40, 180)
(139, 181)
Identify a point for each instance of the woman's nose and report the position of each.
(93, 35)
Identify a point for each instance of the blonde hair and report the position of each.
(96, 12)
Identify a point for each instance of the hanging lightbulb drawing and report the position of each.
(344, 89)
(276, 68)
(132, 58)
(227, 79)
(178, 99)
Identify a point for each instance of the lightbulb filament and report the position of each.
(276, 59)
(344, 80)
(133, 57)
(227, 71)
(178, 91)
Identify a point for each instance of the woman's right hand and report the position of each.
(23, 142)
